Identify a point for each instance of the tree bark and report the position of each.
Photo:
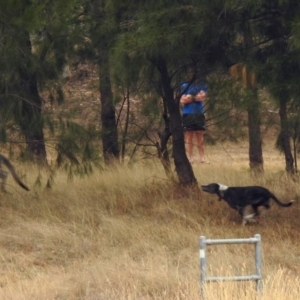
(255, 140)
(285, 135)
(182, 165)
(31, 108)
(126, 125)
(164, 136)
(253, 110)
(108, 118)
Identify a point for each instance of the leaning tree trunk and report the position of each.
(285, 135)
(182, 165)
(108, 117)
(31, 121)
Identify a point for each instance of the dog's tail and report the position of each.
(11, 168)
(280, 203)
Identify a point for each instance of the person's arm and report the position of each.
(185, 99)
(201, 96)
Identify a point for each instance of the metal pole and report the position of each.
(202, 265)
(258, 262)
(258, 265)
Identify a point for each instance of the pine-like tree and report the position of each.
(34, 38)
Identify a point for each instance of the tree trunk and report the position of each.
(285, 135)
(31, 118)
(253, 110)
(108, 118)
(182, 165)
(126, 125)
(164, 136)
(255, 141)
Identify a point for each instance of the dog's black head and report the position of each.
(214, 188)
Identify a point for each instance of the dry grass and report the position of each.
(128, 233)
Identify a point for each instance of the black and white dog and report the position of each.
(240, 197)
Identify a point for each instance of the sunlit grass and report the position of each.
(130, 233)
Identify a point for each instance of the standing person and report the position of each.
(193, 119)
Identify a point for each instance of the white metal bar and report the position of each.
(258, 262)
(202, 264)
(231, 241)
(257, 277)
(233, 278)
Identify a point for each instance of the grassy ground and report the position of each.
(129, 233)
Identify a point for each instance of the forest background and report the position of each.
(140, 53)
(91, 89)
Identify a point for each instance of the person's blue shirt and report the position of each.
(193, 88)
(195, 107)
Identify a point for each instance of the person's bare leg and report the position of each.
(200, 144)
(189, 144)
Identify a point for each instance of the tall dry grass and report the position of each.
(130, 233)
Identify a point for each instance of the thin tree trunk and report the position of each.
(163, 152)
(253, 110)
(108, 118)
(31, 109)
(123, 147)
(285, 136)
(295, 143)
(255, 141)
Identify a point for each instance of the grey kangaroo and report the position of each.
(4, 174)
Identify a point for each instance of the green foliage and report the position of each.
(200, 38)
(76, 152)
(34, 38)
(225, 108)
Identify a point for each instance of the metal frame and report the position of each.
(257, 276)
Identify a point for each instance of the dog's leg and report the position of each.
(247, 217)
(255, 209)
(243, 212)
(251, 219)
(264, 210)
